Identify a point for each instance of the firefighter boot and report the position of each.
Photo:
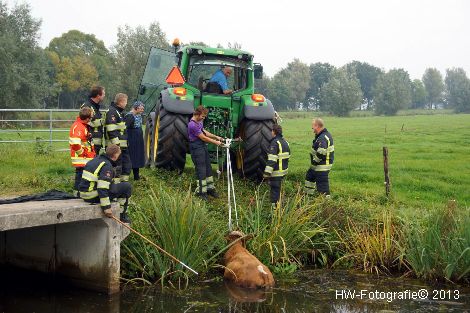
(123, 216)
(203, 196)
(212, 193)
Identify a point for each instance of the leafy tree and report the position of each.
(75, 74)
(81, 60)
(235, 45)
(392, 92)
(367, 75)
(74, 42)
(458, 89)
(24, 81)
(319, 75)
(432, 80)
(289, 86)
(262, 86)
(131, 51)
(341, 93)
(198, 43)
(418, 94)
(278, 90)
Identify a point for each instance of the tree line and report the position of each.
(362, 86)
(60, 75)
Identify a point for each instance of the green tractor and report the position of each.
(170, 103)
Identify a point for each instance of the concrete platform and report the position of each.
(40, 213)
(70, 238)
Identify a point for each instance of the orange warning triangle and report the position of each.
(175, 77)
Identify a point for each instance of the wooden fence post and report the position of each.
(387, 178)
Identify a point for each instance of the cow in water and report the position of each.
(242, 267)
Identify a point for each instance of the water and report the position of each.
(307, 291)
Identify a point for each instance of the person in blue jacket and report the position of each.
(220, 77)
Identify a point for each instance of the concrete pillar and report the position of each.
(86, 253)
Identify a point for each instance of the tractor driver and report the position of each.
(220, 77)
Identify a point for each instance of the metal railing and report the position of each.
(49, 121)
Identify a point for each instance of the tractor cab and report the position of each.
(202, 68)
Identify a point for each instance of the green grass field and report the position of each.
(429, 157)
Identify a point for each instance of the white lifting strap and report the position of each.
(218, 165)
(230, 187)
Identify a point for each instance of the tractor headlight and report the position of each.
(256, 97)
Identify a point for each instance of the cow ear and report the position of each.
(230, 237)
(246, 238)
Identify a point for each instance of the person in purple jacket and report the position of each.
(198, 139)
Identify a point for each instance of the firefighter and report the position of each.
(116, 133)
(95, 98)
(321, 157)
(81, 145)
(277, 165)
(96, 185)
(198, 138)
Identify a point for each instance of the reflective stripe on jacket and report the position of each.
(278, 158)
(116, 132)
(96, 180)
(81, 149)
(323, 152)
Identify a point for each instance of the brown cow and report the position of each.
(243, 268)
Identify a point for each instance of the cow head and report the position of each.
(236, 235)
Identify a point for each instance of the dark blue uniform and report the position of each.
(96, 124)
(116, 133)
(277, 165)
(96, 185)
(135, 142)
(321, 158)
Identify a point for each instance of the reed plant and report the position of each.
(285, 235)
(438, 246)
(181, 226)
(374, 249)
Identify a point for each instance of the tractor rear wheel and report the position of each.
(172, 140)
(256, 136)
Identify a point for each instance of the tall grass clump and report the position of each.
(439, 245)
(284, 235)
(181, 226)
(373, 248)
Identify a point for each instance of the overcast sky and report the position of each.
(412, 34)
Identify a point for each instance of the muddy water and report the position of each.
(308, 291)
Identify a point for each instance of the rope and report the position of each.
(153, 244)
(218, 165)
(230, 187)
